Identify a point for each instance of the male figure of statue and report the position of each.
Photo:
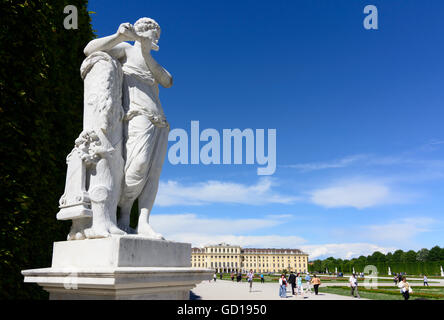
(145, 126)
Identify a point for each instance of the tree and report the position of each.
(362, 260)
(410, 256)
(422, 255)
(377, 257)
(41, 106)
(398, 256)
(436, 254)
(389, 258)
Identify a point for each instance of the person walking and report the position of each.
(232, 276)
(220, 275)
(292, 281)
(283, 286)
(354, 286)
(250, 277)
(405, 287)
(214, 277)
(299, 289)
(426, 281)
(262, 278)
(239, 277)
(316, 283)
(395, 280)
(308, 281)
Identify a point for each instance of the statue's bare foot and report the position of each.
(146, 230)
(116, 230)
(103, 231)
(97, 232)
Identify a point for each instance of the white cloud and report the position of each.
(202, 230)
(280, 216)
(343, 250)
(172, 193)
(191, 223)
(399, 231)
(266, 241)
(359, 195)
(406, 159)
(340, 163)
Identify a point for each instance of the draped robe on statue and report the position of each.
(146, 135)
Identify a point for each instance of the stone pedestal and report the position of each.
(120, 267)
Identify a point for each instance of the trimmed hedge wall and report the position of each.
(41, 106)
(416, 268)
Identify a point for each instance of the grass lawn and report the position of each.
(361, 280)
(275, 278)
(432, 293)
(389, 276)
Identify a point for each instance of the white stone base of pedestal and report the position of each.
(122, 267)
(139, 283)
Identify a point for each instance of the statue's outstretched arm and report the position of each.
(162, 76)
(110, 43)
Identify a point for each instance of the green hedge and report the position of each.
(41, 106)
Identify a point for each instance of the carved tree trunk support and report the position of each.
(95, 165)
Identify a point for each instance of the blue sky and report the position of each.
(358, 115)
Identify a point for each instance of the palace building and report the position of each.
(228, 258)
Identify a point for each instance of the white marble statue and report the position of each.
(118, 157)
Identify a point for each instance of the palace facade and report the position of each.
(228, 258)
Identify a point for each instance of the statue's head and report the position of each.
(147, 28)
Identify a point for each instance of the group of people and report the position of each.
(215, 277)
(296, 283)
(399, 279)
(297, 287)
(239, 277)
